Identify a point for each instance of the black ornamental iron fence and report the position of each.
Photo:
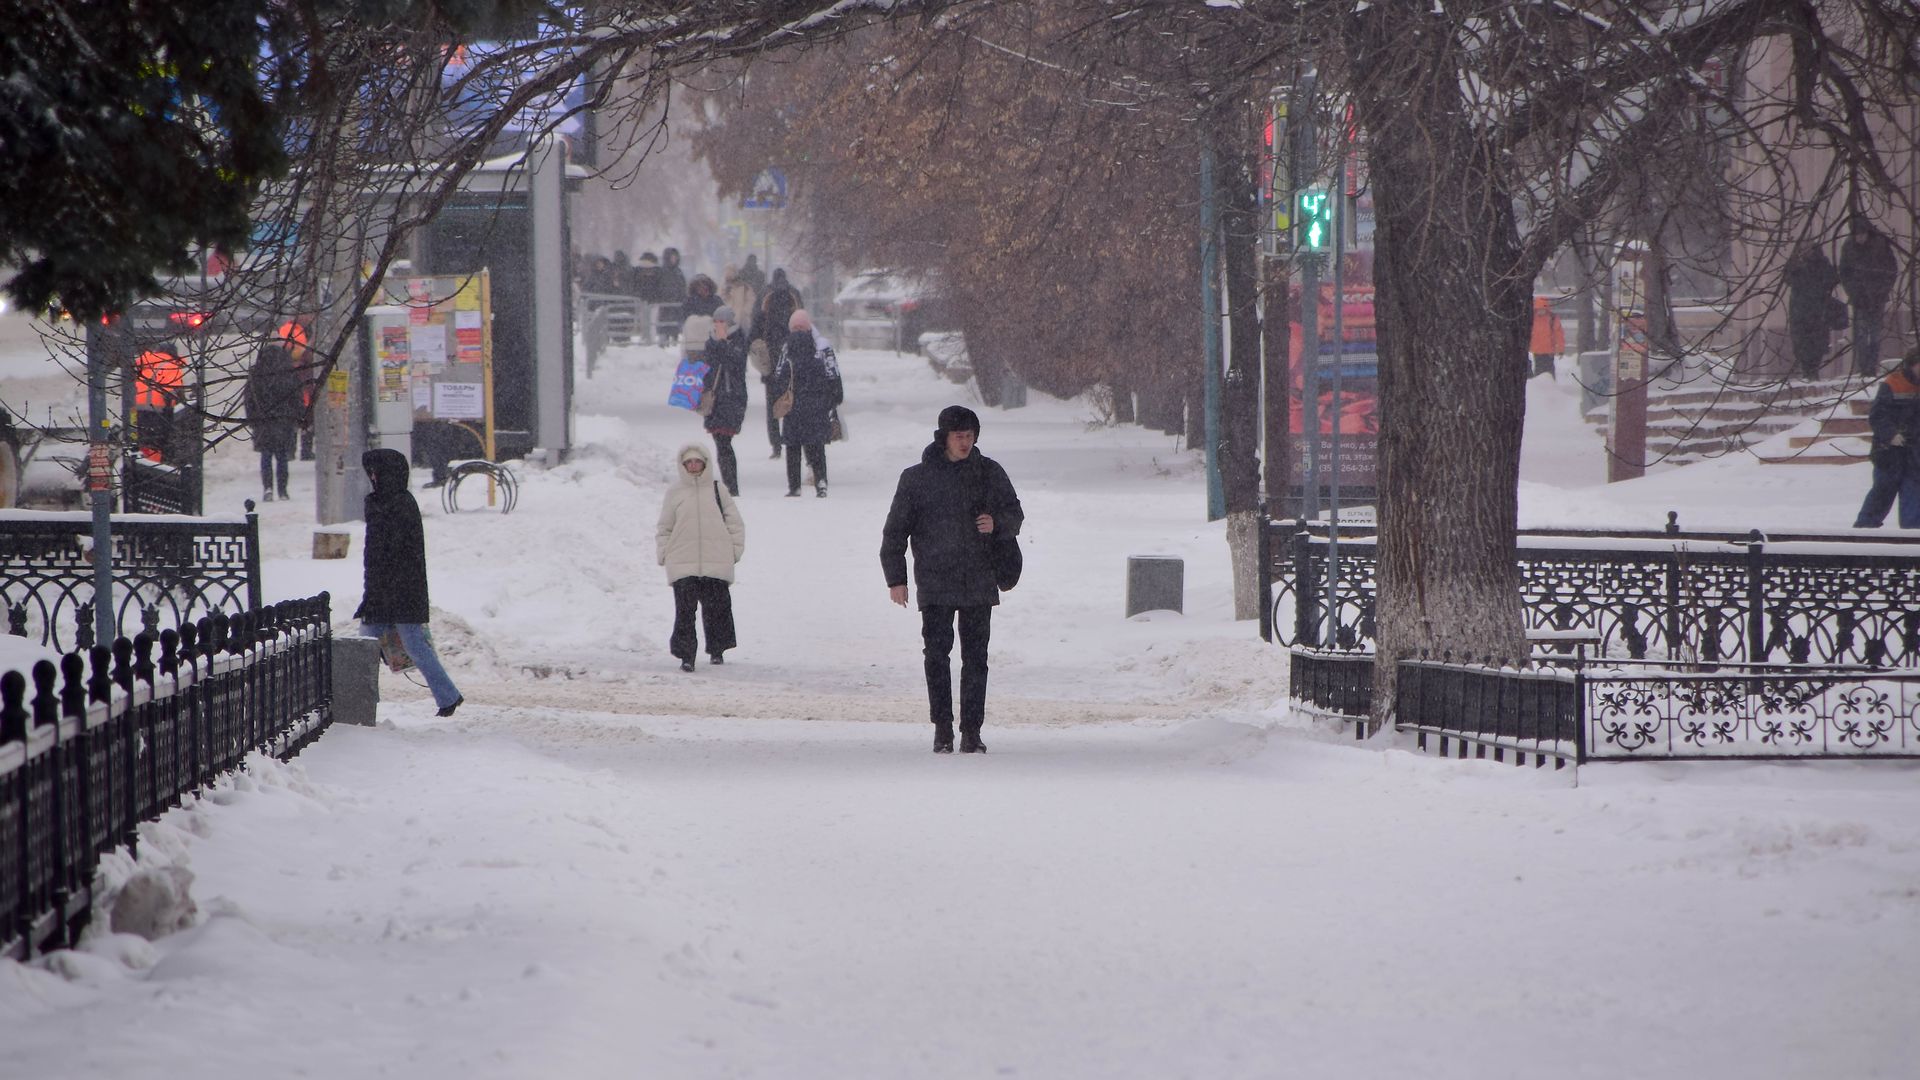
(167, 572)
(109, 738)
(153, 488)
(1624, 710)
(1703, 597)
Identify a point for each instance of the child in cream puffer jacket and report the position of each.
(700, 538)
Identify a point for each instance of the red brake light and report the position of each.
(188, 320)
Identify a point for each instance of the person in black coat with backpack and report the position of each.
(957, 510)
(726, 383)
(808, 367)
(393, 595)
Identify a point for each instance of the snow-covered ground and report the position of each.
(602, 867)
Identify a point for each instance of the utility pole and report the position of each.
(105, 342)
(1210, 320)
(1306, 165)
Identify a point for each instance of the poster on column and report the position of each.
(448, 344)
(1357, 410)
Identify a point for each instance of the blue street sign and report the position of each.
(769, 191)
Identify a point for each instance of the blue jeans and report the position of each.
(414, 637)
(1893, 475)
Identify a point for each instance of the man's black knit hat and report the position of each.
(956, 418)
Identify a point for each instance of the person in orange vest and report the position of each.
(292, 336)
(159, 381)
(1549, 338)
(1895, 421)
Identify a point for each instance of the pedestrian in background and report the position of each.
(1895, 420)
(947, 510)
(1811, 307)
(1549, 337)
(778, 301)
(1868, 269)
(273, 416)
(726, 382)
(393, 595)
(702, 297)
(809, 368)
(699, 540)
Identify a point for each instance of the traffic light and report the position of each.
(1315, 219)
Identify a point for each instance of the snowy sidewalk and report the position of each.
(603, 867)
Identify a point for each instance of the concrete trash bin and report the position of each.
(356, 679)
(1155, 583)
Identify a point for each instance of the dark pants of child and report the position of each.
(714, 598)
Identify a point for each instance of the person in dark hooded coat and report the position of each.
(274, 410)
(393, 594)
(726, 380)
(947, 509)
(809, 367)
(778, 301)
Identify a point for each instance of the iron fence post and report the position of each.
(1306, 598)
(253, 557)
(1756, 598)
(1265, 549)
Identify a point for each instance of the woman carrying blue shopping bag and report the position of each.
(394, 559)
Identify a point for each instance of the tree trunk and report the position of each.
(1122, 402)
(1453, 311)
(1240, 405)
(1235, 143)
(1243, 546)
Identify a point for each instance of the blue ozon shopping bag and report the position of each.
(687, 381)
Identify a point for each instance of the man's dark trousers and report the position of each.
(936, 631)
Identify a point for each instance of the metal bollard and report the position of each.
(356, 679)
(1155, 583)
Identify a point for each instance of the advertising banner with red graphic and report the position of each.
(1356, 410)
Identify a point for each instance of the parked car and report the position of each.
(873, 310)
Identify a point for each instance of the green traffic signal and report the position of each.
(1315, 219)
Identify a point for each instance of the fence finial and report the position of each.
(46, 702)
(123, 664)
(13, 710)
(73, 685)
(100, 677)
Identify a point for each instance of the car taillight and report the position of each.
(187, 320)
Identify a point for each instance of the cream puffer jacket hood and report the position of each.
(701, 533)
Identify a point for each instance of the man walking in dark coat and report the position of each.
(948, 508)
(1810, 279)
(394, 560)
(1868, 269)
(273, 416)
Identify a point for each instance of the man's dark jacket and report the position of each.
(933, 510)
(394, 556)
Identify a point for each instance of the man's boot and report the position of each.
(970, 742)
(942, 738)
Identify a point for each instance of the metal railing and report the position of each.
(1615, 710)
(1705, 597)
(166, 573)
(113, 737)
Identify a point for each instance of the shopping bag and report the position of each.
(393, 652)
(687, 382)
